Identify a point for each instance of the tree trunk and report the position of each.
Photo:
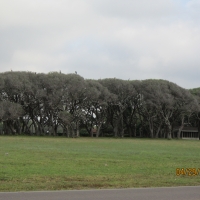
(135, 133)
(122, 126)
(77, 134)
(115, 131)
(53, 132)
(168, 124)
(67, 131)
(129, 131)
(151, 133)
(151, 128)
(181, 127)
(169, 131)
(11, 127)
(98, 129)
(158, 130)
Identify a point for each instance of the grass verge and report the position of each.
(40, 163)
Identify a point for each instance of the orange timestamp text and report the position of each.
(187, 171)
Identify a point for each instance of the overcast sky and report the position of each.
(129, 39)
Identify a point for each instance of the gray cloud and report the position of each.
(134, 10)
(99, 39)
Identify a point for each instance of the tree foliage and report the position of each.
(62, 104)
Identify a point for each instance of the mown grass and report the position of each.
(41, 163)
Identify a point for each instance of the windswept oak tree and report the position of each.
(126, 96)
(73, 98)
(96, 105)
(164, 103)
(195, 115)
(10, 112)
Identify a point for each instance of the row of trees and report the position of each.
(67, 104)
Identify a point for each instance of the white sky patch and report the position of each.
(127, 39)
(30, 61)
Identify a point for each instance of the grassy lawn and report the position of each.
(41, 163)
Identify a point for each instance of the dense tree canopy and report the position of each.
(67, 104)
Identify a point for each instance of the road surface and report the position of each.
(165, 193)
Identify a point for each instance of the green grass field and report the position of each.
(41, 163)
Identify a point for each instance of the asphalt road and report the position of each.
(173, 193)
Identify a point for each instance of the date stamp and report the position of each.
(187, 171)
